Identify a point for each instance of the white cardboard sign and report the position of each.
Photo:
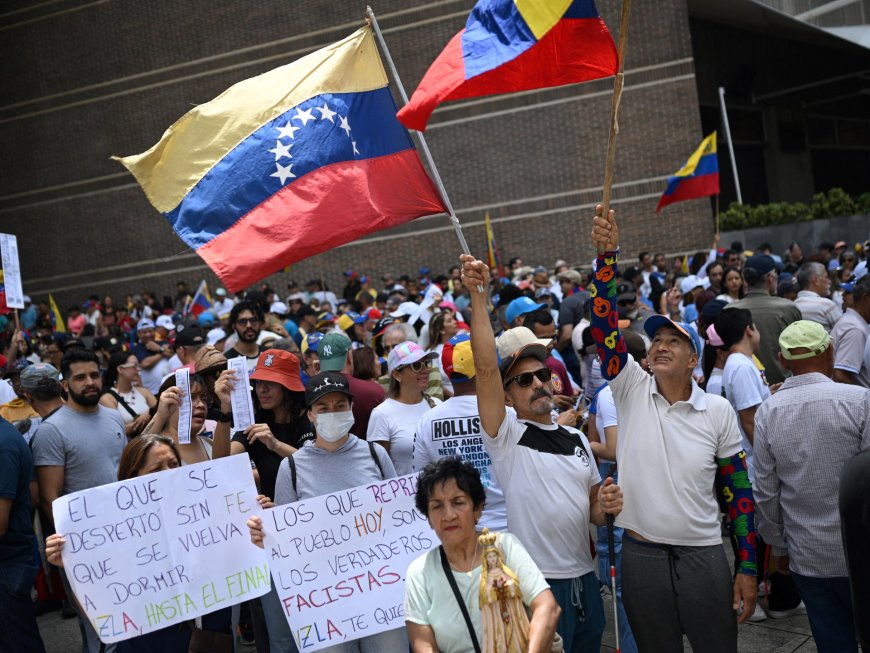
(11, 271)
(163, 548)
(338, 561)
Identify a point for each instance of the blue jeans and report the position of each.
(280, 636)
(581, 623)
(626, 639)
(829, 609)
(17, 617)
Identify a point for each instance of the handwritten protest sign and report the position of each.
(339, 560)
(11, 271)
(159, 549)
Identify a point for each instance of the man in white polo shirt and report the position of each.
(674, 442)
(546, 470)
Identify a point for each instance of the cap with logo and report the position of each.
(333, 351)
(457, 359)
(324, 320)
(406, 353)
(516, 344)
(804, 334)
(325, 383)
(656, 322)
(165, 322)
(521, 306)
(32, 375)
(190, 337)
(279, 366)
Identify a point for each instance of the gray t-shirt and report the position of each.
(87, 445)
(320, 472)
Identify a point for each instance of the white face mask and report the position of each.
(332, 427)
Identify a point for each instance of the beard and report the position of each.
(538, 407)
(248, 335)
(86, 400)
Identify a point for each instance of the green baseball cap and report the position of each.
(333, 351)
(804, 334)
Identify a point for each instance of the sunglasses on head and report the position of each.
(526, 379)
(417, 367)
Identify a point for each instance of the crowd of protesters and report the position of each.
(631, 388)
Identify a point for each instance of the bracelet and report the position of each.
(222, 417)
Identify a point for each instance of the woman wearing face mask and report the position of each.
(393, 422)
(335, 461)
(279, 411)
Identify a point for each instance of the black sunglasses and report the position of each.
(525, 379)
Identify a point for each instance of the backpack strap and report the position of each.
(292, 464)
(374, 457)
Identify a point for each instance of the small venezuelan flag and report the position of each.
(698, 178)
(56, 317)
(201, 301)
(288, 164)
(515, 45)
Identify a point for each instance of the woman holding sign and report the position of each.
(165, 419)
(474, 588)
(149, 454)
(337, 460)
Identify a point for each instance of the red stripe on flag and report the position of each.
(326, 208)
(691, 188)
(575, 50)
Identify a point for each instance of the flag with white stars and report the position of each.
(288, 164)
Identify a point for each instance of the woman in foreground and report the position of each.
(495, 578)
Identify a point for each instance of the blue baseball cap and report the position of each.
(520, 306)
(656, 322)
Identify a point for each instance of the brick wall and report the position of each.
(87, 81)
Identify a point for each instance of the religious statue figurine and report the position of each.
(505, 621)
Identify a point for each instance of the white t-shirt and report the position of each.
(429, 600)
(744, 386)
(667, 459)
(395, 423)
(546, 473)
(605, 413)
(714, 383)
(453, 429)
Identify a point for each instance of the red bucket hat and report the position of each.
(279, 366)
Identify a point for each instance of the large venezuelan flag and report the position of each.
(515, 45)
(288, 164)
(698, 178)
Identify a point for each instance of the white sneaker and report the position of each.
(759, 614)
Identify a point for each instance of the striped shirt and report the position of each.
(804, 434)
(819, 309)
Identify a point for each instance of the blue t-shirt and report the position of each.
(16, 470)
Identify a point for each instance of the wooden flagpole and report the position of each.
(614, 108)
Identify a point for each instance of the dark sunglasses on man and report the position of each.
(526, 379)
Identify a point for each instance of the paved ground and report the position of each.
(790, 635)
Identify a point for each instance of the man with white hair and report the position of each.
(813, 298)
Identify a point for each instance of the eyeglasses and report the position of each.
(203, 399)
(525, 379)
(129, 366)
(417, 367)
(245, 321)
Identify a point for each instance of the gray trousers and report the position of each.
(672, 590)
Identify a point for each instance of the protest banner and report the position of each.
(159, 549)
(11, 271)
(339, 560)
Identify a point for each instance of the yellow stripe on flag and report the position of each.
(542, 15)
(203, 136)
(707, 146)
(59, 324)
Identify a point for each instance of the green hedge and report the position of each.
(834, 203)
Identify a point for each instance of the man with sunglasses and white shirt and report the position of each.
(546, 470)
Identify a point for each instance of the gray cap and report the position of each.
(33, 374)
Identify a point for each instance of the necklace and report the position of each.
(470, 571)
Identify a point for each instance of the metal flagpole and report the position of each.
(730, 144)
(423, 146)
